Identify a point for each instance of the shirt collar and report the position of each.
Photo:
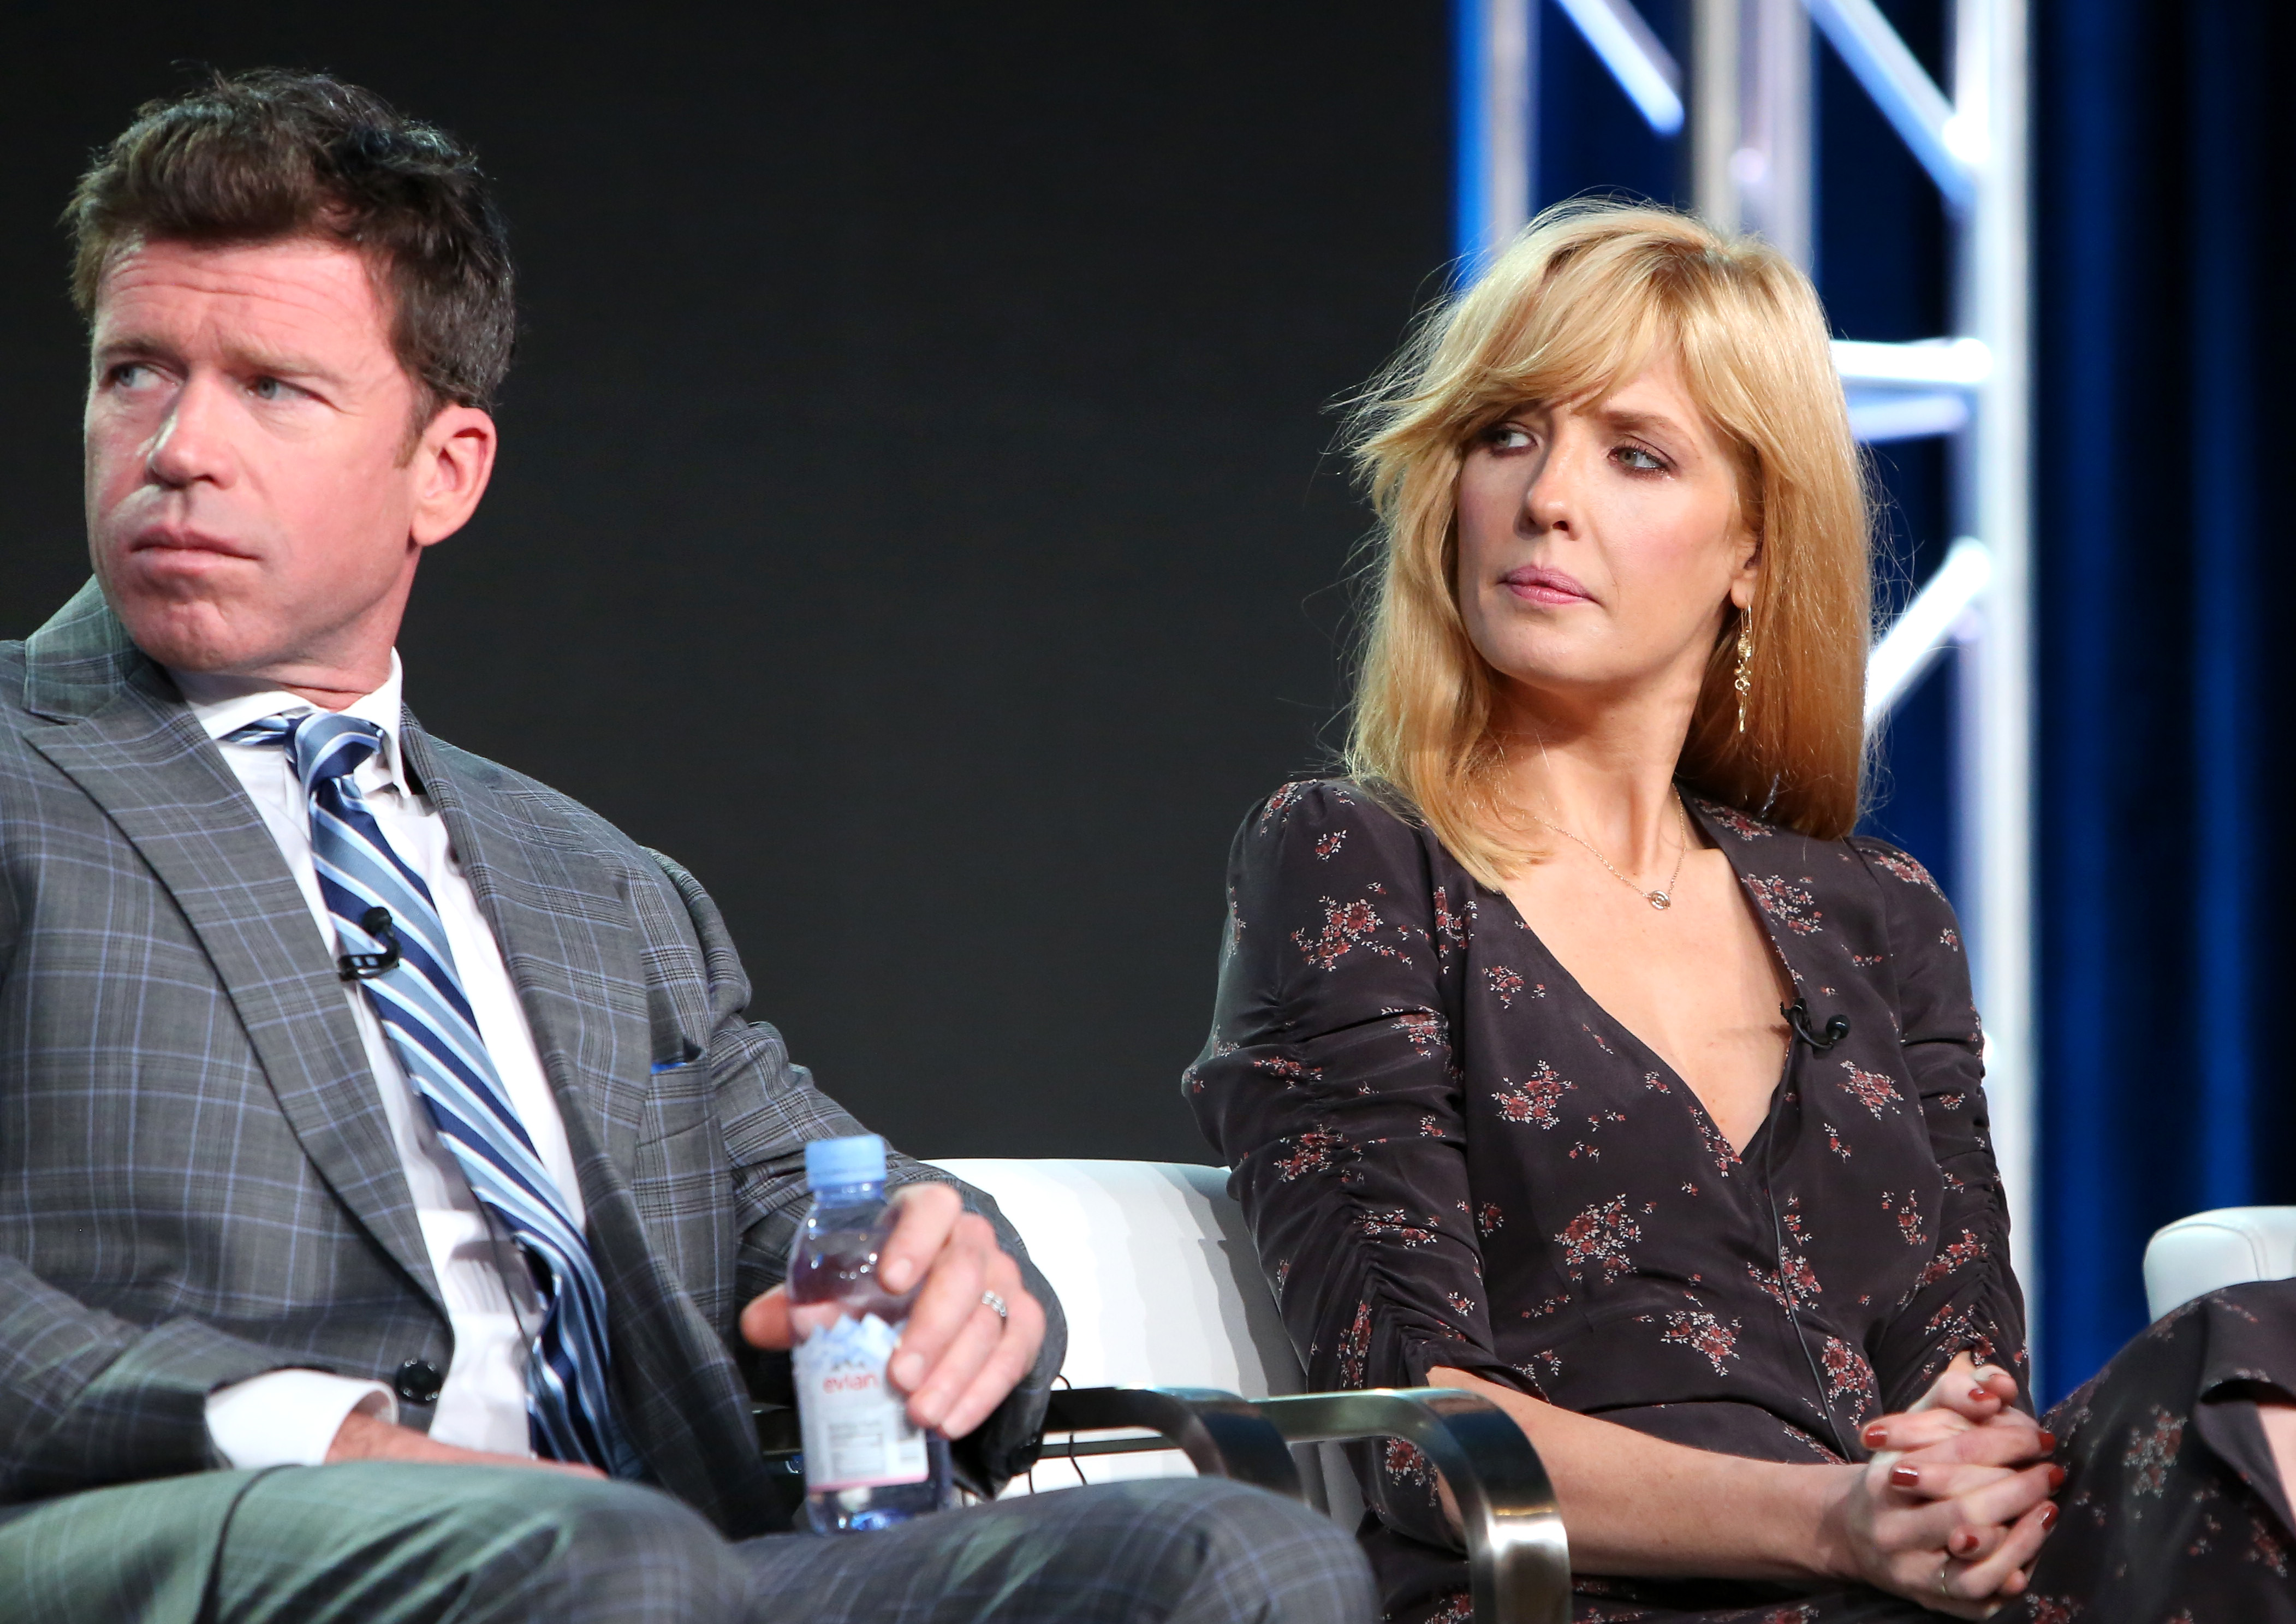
(222, 703)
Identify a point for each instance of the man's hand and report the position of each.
(1955, 1502)
(369, 1438)
(956, 1360)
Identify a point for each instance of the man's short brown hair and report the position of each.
(270, 155)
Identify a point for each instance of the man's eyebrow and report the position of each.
(242, 357)
(124, 344)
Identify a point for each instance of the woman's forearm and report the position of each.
(1637, 1506)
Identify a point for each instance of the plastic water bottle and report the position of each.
(866, 1465)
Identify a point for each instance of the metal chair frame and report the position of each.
(1517, 1553)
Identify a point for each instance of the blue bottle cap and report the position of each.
(830, 1163)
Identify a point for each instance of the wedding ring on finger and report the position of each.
(991, 1301)
(1945, 1572)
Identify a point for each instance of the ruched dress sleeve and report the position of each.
(1966, 1297)
(1328, 1086)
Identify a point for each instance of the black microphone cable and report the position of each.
(1836, 1028)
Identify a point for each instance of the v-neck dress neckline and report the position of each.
(1701, 1117)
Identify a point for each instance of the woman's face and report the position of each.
(1599, 541)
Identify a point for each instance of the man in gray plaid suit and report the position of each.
(264, 1353)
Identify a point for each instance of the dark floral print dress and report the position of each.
(1450, 1156)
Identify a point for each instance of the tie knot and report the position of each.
(321, 745)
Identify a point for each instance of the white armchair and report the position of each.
(1155, 1270)
(1174, 1343)
(2210, 1251)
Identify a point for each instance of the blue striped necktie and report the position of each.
(408, 971)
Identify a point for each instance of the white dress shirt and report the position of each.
(289, 1417)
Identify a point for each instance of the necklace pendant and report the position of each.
(1659, 900)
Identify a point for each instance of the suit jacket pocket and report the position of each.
(678, 1099)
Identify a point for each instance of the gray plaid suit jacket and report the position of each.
(196, 1181)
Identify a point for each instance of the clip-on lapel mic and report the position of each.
(1797, 1015)
(363, 966)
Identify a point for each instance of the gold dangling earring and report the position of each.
(1744, 681)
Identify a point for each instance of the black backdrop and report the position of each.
(913, 511)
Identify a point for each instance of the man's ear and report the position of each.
(454, 458)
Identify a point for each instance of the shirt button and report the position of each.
(418, 1381)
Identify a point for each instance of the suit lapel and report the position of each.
(562, 922)
(563, 918)
(122, 735)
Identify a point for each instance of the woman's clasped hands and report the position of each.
(1955, 1502)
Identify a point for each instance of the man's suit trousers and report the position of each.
(392, 1543)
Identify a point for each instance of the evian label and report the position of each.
(857, 1428)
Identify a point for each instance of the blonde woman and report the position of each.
(1571, 1049)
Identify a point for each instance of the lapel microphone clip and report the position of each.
(364, 966)
(1797, 1015)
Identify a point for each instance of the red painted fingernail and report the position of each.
(2056, 1478)
(2048, 1518)
(2048, 1441)
(1981, 1392)
(1963, 1543)
(1906, 1477)
(1876, 1436)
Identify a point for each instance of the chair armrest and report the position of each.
(1221, 1435)
(778, 1432)
(1518, 1557)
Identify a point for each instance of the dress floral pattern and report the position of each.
(1450, 1156)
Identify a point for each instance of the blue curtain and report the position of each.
(2163, 147)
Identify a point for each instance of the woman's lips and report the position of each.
(1534, 584)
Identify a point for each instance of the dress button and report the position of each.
(418, 1381)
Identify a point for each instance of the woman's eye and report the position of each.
(1640, 460)
(1506, 437)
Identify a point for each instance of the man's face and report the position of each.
(251, 504)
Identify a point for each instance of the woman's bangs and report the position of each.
(1575, 342)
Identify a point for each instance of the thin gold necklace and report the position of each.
(1662, 899)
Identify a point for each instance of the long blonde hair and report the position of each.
(1585, 297)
